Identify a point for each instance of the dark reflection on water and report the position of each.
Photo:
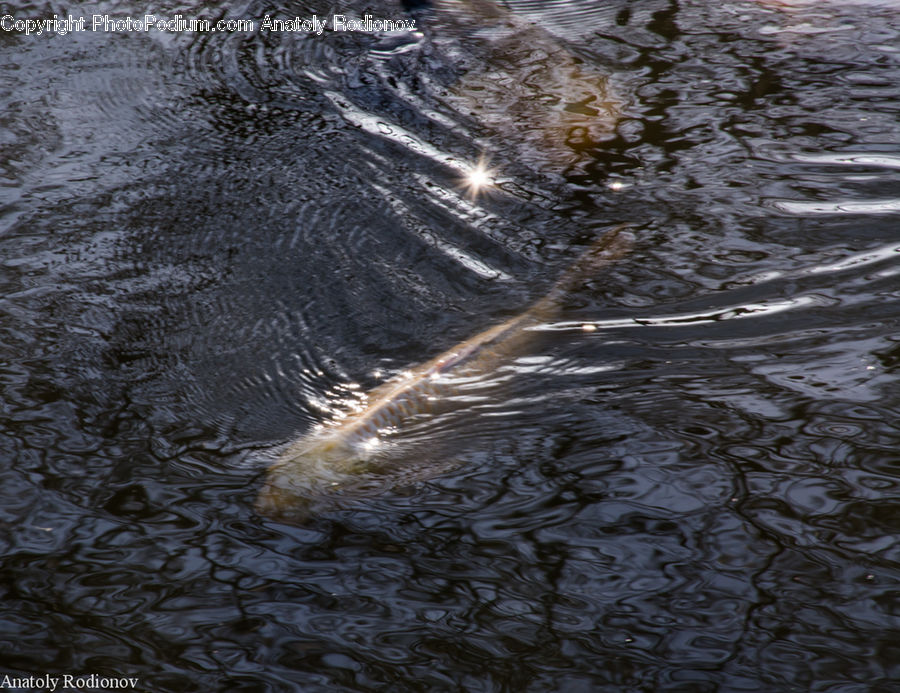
(210, 242)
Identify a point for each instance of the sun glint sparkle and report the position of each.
(479, 178)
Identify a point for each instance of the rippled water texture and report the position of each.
(212, 243)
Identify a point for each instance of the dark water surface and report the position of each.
(208, 242)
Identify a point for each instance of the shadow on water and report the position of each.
(209, 243)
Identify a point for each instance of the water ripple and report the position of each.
(201, 263)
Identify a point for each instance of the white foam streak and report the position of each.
(880, 160)
(857, 260)
(454, 252)
(844, 207)
(391, 131)
(682, 319)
